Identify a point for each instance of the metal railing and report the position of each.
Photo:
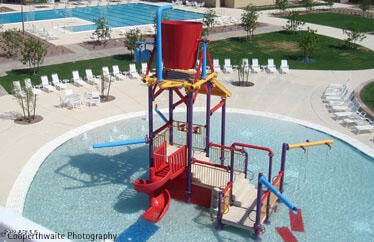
(210, 174)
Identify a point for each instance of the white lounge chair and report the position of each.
(90, 78)
(117, 73)
(77, 80)
(335, 90)
(271, 66)
(245, 64)
(284, 68)
(255, 65)
(133, 73)
(342, 100)
(17, 89)
(106, 74)
(342, 108)
(144, 66)
(45, 84)
(57, 83)
(227, 67)
(216, 65)
(363, 128)
(29, 86)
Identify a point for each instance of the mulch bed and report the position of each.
(52, 50)
(5, 9)
(23, 121)
(105, 98)
(346, 11)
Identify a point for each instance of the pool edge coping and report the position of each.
(17, 195)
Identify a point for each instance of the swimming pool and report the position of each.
(90, 191)
(120, 15)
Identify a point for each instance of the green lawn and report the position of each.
(340, 20)
(329, 54)
(64, 71)
(367, 95)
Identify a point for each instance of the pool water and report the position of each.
(81, 190)
(120, 15)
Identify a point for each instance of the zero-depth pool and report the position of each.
(81, 190)
(119, 15)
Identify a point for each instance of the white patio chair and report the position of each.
(45, 84)
(77, 80)
(284, 68)
(133, 73)
(255, 65)
(90, 78)
(227, 67)
(106, 74)
(117, 73)
(28, 85)
(271, 66)
(57, 83)
(144, 67)
(17, 89)
(216, 65)
(363, 128)
(245, 64)
(92, 98)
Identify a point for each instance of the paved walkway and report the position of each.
(295, 95)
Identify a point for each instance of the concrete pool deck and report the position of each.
(296, 95)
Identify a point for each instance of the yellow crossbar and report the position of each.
(313, 143)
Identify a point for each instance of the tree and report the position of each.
(364, 5)
(208, 21)
(33, 53)
(294, 22)
(308, 4)
(354, 35)
(249, 20)
(106, 82)
(102, 32)
(308, 42)
(281, 4)
(330, 3)
(131, 37)
(11, 42)
(27, 100)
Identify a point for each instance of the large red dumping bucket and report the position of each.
(180, 42)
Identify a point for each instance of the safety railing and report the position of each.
(209, 174)
(159, 155)
(177, 160)
(180, 134)
(229, 156)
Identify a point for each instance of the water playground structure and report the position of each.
(183, 162)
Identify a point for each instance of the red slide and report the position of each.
(159, 196)
(159, 205)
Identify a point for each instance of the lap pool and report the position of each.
(81, 190)
(119, 15)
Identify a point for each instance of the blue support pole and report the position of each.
(159, 41)
(120, 143)
(203, 71)
(287, 202)
(161, 115)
